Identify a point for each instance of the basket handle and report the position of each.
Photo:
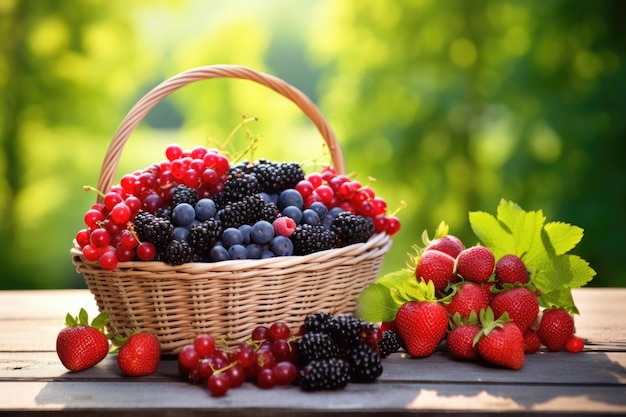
(153, 97)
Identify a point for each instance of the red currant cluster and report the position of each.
(350, 195)
(268, 359)
(109, 237)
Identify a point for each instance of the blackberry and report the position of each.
(183, 194)
(391, 343)
(274, 177)
(247, 211)
(324, 374)
(318, 322)
(309, 239)
(202, 236)
(270, 212)
(178, 252)
(365, 365)
(352, 228)
(240, 184)
(314, 346)
(153, 229)
(350, 331)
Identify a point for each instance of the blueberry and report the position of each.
(218, 253)
(238, 252)
(281, 246)
(245, 230)
(255, 250)
(262, 232)
(181, 233)
(294, 212)
(334, 212)
(311, 217)
(183, 214)
(319, 208)
(205, 209)
(231, 236)
(290, 197)
(267, 254)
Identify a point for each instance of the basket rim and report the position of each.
(377, 243)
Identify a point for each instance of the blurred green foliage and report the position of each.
(449, 105)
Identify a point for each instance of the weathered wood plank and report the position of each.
(390, 398)
(589, 368)
(600, 322)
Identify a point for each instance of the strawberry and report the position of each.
(436, 266)
(520, 303)
(500, 342)
(449, 244)
(555, 328)
(469, 296)
(575, 344)
(81, 345)
(139, 355)
(475, 264)
(422, 325)
(531, 342)
(510, 269)
(460, 340)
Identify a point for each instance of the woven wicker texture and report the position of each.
(227, 299)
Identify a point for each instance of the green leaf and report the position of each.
(100, 321)
(564, 237)
(83, 318)
(543, 246)
(70, 321)
(375, 304)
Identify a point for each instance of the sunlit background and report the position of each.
(449, 105)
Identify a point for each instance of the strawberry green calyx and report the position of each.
(99, 322)
(489, 322)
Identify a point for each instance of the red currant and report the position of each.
(218, 384)
(204, 345)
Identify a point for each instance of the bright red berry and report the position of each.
(437, 267)
(520, 303)
(422, 325)
(475, 264)
(460, 341)
(81, 344)
(139, 355)
(555, 329)
(510, 269)
(449, 244)
(575, 344)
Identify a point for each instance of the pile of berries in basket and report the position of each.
(197, 206)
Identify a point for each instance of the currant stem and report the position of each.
(90, 188)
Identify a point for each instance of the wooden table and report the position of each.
(33, 381)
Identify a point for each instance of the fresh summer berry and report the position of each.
(475, 264)
(218, 384)
(555, 329)
(81, 345)
(262, 232)
(575, 344)
(449, 244)
(520, 303)
(460, 341)
(139, 355)
(510, 269)
(422, 325)
(531, 342)
(500, 342)
(436, 266)
(281, 246)
(469, 296)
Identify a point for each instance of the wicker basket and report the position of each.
(226, 299)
